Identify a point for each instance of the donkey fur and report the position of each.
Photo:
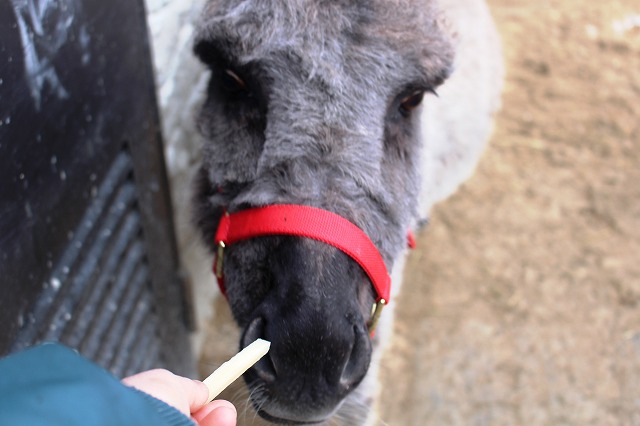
(318, 119)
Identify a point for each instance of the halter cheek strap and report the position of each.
(308, 222)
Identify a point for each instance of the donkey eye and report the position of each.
(411, 102)
(232, 81)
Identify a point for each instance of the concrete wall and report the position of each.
(181, 82)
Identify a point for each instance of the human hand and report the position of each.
(186, 395)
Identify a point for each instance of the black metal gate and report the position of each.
(87, 250)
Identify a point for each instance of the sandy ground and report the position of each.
(521, 301)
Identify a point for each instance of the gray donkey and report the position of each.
(370, 109)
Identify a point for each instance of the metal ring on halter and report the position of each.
(219, 257)
(376, 311)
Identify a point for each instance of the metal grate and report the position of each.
(88, 254)
(99, 298)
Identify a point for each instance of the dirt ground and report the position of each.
(521, 305)
(522, 302)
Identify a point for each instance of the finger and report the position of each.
(195, 392)
(182, 393)
(217, 413)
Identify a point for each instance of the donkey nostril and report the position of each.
(264, 367)
(358, 362)
(265, 370)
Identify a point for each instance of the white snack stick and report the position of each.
(229, 371)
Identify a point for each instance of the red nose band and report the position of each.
(308, 222)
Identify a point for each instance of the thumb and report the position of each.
(216, 413)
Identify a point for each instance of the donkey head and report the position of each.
(312, 103)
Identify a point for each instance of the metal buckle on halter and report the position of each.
(376, 311)
(219, 257)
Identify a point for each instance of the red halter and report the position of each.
(309, 222)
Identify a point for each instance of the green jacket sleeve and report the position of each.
(53, 385)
